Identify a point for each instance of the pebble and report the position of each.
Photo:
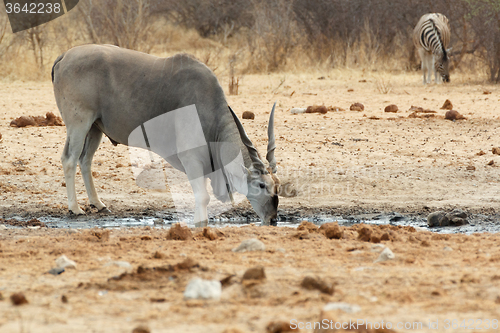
(18, 299)
(346, 307)
(64, 262)
(203, 289)
(312, 283)
(254, 273)
(251, 244)
(385, 255)
(123, 264)
(298, 110)
(447, 248)
(56, 271)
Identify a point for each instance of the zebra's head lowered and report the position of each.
(442, 65)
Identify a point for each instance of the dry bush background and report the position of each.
(260, 36)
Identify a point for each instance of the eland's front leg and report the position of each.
(201, 200)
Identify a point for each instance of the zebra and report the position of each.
(431, 37)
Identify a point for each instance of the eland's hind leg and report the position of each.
(77, 129)
(92, 142)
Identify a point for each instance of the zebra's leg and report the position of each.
(423, 59)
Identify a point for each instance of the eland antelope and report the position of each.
(431, 37)
(122, 93)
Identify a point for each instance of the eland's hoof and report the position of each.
(104, 210)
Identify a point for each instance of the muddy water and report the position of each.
(477, 223)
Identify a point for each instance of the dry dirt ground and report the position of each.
(339, 162)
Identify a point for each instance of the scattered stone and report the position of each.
(278, 327)
(391, 108)
(425, 243)
(228, 280)
(248, 115)
(64, 299)
(491, 163)
(157, 300)
(179, 232)
(18, 299)
(56, 271)
(357, 107)
(481, 153)
(312, 283)
(50, 119)
(307, 226)
(350, 90)
(470, 168)
(453, 115)
(302, 235)
(447, 248)
(346, 307)
(486, 92)
(101, 235)
(0, 137)
(141, 329)
(159, 255)
(385, 255)
(124, 264)
(447, 105)
(64, 262)
(317, 109)
(495, 150)
(203, 289)
(251, 244)
(1, 297)
(254, 273)
(298, 110)
(456, 217)
(332, 230)
(209, 233)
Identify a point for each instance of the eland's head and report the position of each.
(260, 184)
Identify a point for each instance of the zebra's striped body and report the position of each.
(431, 37)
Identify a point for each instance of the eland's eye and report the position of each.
(262, 185)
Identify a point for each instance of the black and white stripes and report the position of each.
(431, 37)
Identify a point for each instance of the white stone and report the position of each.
(447, 248)
(385, 255)
(346, 307)
(64, 262)
(298, 110)
(123, 264)
(252, 244)
(203, 289)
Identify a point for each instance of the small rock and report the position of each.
(141, 329)
(159, 255)
(254, 273)
(1, 297)
(179, 232)
(123, 264)
(64, 299)
(317, 109)
(332, 230)
(481, 153)
(470, 168)
(251, 244)
(346, 307)
(248, 115)
(312, 283)
(385, 255)
(203, 289)
(486, 92)
(453, 115)
(391, 108)
(434, 218)
(447, 105)
(447, 248)
(298, 110)
(357, 107)
(228, 280)
(491, 163)
(308, 226)
(18, 299)
(209, 233)
(278, 327)
(495, 150)
(64, 262)
(56, 271)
